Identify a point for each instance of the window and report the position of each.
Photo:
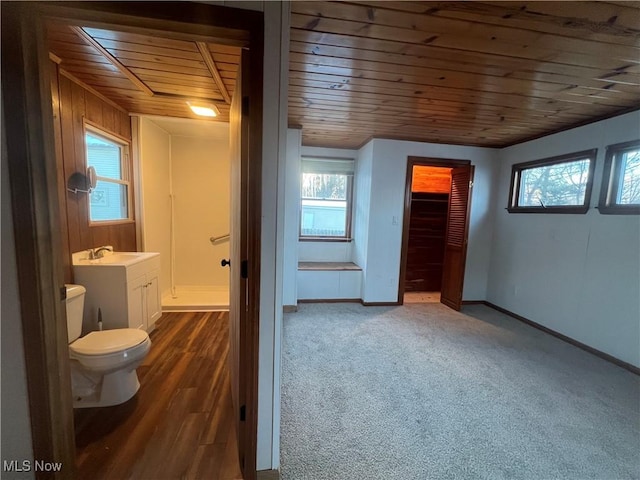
(110, 199)
(620, 193)
(325, 211)
(553, 185)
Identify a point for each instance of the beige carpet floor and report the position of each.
(423, 392)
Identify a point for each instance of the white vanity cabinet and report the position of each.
(127, 293)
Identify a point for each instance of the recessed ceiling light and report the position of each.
(204, 110)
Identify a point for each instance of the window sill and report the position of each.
(619, 210)
(324, 239)
(107, 223)
(581, 210)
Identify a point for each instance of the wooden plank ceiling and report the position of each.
(147, 74)
(473, 73)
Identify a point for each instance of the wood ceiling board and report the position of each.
(209, 93)
(80, 58)
(142, 40)
(230, 60)
(72, 47)
(595, 25)
(453, 71)
(379, 22)
(493, 98)
(165, 67)
(617, 56)
(130, 57)
(424, 50)
(181, 79)
(363, 121)
(452, 79)
(434, 97)
(319, 96)
(172, 68)
(302, 109)
(332, 82)
(149, 50)
(224, 49)
(473, 62)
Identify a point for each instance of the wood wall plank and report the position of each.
(77, 104)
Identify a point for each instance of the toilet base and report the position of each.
(90, 389)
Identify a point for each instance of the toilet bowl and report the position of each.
(103, 363)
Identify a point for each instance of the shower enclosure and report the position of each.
(185, 204)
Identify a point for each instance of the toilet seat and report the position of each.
(109, 350)
(105, 342)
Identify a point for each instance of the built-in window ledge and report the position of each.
(328, 266)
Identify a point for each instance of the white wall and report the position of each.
(16, 424)
(154, 144)
(324, 251)
(291, 221)
(275, 88)
(378, 210)
(201, 188)
(362, 207)
(388, 176)
(576, 274)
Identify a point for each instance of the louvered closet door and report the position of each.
(455, 251)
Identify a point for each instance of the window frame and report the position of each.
(125, 169)
(516, 176)
(611, 181)
(348, 220)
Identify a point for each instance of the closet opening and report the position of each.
(435, 230)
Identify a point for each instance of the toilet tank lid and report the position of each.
(108, 341)
(74, 290)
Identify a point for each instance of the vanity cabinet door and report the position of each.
(137, 304)
(154, 308)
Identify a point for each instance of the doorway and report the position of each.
(30, 150)
(185, 203)
(435, 230)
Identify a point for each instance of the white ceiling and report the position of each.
(183, 127)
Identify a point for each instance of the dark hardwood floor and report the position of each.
(180, 423)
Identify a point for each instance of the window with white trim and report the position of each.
(326, 195)
(620, 192)
(110, 200)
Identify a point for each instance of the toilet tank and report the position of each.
(75, 307)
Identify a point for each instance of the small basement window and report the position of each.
(326, 195)
(553, 185)
(110, 200)
(620, 192)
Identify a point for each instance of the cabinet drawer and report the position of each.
(145, 266)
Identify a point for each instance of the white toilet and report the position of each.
(103, 363)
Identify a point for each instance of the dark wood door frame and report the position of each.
(29, 140)
(411, 162)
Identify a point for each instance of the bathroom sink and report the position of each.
(113, 259)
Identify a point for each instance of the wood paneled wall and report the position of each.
(428, 179)
(71, 105)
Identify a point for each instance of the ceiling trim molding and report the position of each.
(89, 88)
(211, 66)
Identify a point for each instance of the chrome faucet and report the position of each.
(95, 253)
